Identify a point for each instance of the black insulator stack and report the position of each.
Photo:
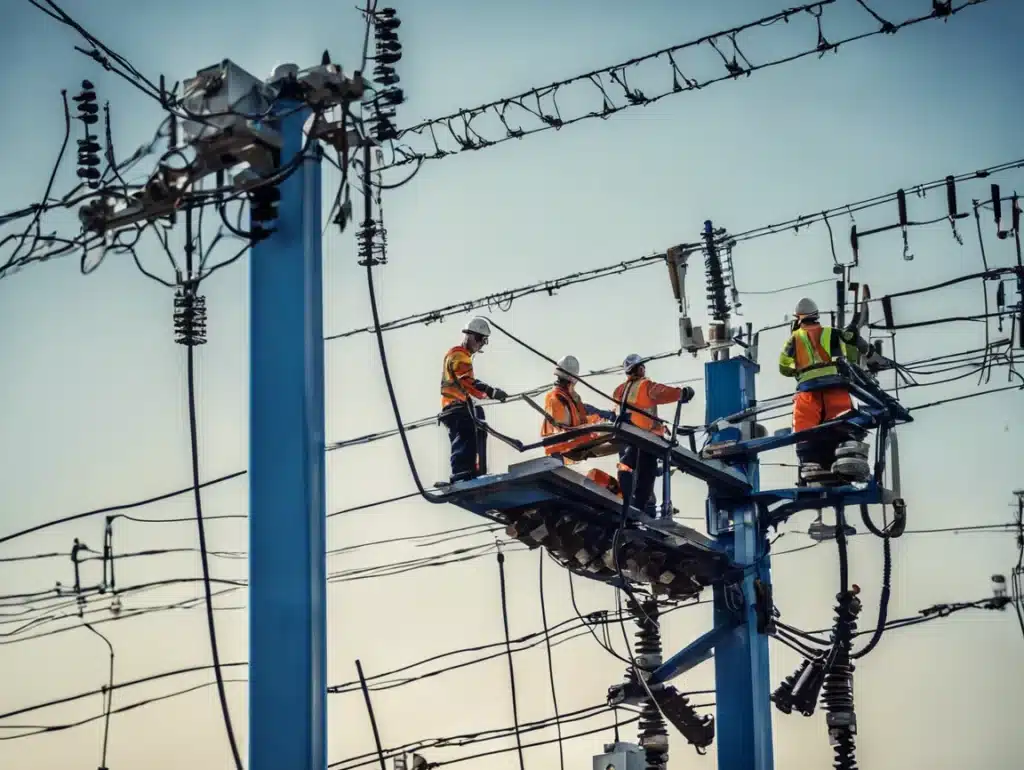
(653, 731)
(88, 146)
(388, 53)
(808, 688)
(799, 691)
(653, 736)
(648, 634)
(189, 316)
(373, 241)
(718, 306)
(837, 696)
(783, 695)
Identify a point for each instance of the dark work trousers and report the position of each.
(469, 442)
(638, 484)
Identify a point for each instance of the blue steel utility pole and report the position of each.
(742, 680)
(252, 134)
(287, 512)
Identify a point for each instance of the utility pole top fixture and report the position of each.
(722, 296)
(231, 129)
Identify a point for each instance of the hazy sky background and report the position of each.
(94, 385)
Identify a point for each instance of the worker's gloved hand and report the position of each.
(688, 394)
(498, 394)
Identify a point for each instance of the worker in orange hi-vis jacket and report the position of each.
(464, 419)
(639, 469)
(565, 410)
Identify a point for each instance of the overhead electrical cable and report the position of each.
(611, 91)
(503, 299)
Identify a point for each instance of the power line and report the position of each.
(521, 644)
(369, 438)
(610, 91)
(503, 300)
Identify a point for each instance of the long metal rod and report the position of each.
(373, 719)
(109, 699)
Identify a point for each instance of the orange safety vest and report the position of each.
(646, 394)
(565, 407)
(457, 377)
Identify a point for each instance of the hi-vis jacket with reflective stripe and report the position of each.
(457, 380)
(809, 351)
(566, 408)
(646, 394)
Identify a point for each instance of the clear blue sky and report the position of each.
(94, 384)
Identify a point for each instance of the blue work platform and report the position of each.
(544, 503)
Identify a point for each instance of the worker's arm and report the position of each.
(597, 415)
(666, 394)
(853, 345)
(787, 358)
(557, 411)
(461, 371)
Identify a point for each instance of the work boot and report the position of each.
(464, 476)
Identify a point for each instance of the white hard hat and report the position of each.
(806, 306)
(477, 325)
(567, 365)
(631, 361)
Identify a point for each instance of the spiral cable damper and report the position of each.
(837, 695)
(653, 731)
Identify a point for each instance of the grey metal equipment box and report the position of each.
(217, 91)
(621, 756)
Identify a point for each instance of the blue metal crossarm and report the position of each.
(695, 653)
(863, 418)
(815, 498)
(712, 471)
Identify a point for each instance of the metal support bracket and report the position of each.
(695, 653)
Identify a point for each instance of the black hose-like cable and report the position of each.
(883, 601)
(551, 663)
(511, 667)
(368, 213)
(198, 496)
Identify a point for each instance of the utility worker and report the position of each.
(638, 469)
(808, 356)
(463, 418)
(565, 409)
